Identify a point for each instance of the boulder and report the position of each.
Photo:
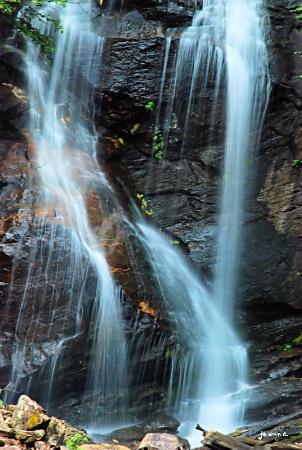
(29, 415)
(163, 441)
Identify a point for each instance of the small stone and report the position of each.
(163, 441)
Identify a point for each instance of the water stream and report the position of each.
(61, 126)
(224, 57)
(208, 380)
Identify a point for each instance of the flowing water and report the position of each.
(208, 380)
(208, 364)
(224, 56)
(61, 126)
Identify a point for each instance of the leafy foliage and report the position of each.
(298, 12)
(73, 442)
(297, 163)
(144, 204)
(288, 346)
(298, 340)
(24, 23)
(158, 145)
(149, 106)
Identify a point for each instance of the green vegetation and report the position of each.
(298, 12)
(158, 145)
(289, 345)
(1, 404)
(73, 442)
(169, 353)
(297, 163)
(24, 25)
(144, 204)
(298, 340)
(175, 242)
(149, 106)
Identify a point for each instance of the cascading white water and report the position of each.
(222, 53)
(209, 362)
(61, 125)
(209, 359)
(247, 95)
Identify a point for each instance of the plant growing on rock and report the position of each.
(158, 145)
(288, 346)
(149, 106)
(144, 204)
(73, 442)
(297, 163)
(24, 25)
(298, 12)
(298, 340)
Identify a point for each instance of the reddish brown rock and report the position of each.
(103, 447)
(163, 441)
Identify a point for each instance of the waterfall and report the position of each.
(247, 95)
(208, 381)
(223, 55)
(67, 259)
(208, 365)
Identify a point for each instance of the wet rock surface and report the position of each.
(27, 425)
(133, 435)
(183, 196)
(182, 193)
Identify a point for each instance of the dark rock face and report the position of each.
(182, 192)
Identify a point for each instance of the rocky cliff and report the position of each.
(180, 190)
